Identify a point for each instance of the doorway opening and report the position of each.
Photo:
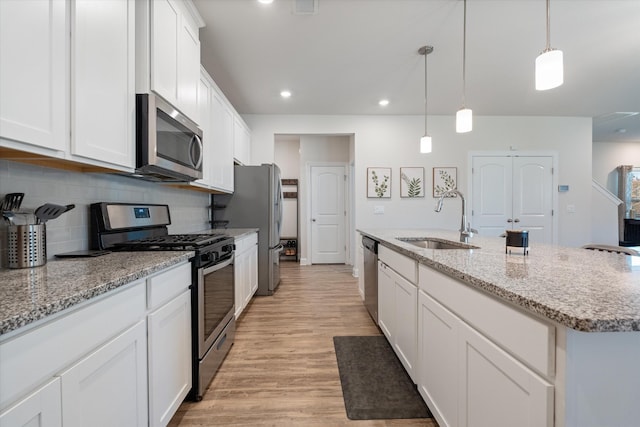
(321, 164)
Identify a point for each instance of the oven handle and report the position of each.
(218, 266)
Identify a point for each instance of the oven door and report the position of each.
(216, 293)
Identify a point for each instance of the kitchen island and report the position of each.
(550, 338)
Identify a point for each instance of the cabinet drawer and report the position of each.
(529, 339)
(31, 358)
(403, 265)
(166, 285)
(246, 242)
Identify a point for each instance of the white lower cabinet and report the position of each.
(437, 360)
(123, 359)
(169, 358)
(109, 386)
(386, 301)
(42, 408)
(498, 390)
(253, 270)
(405, 342)
(245, 270)
(469, 381)
(397, 315)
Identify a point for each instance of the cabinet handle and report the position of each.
(313, 219)
(509, 220)
(516, 220)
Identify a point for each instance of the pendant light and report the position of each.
(549, 67)
(425, 141)
(464, 116)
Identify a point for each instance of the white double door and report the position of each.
(513, 192)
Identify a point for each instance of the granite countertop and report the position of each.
(30, 294)
(584, 290)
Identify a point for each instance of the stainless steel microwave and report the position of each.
(168, 144)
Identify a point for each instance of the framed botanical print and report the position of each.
(379, 182)
(444, 179)
(411, 182)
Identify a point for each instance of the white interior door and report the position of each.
(492, 190)
(328, 215)
(513, 192)
(532, 197)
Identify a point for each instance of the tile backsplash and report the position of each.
(70, 232)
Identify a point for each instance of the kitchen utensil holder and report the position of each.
(27, 245)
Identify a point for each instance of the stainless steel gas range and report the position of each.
(143, 227)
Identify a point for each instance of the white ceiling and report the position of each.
(352, 53)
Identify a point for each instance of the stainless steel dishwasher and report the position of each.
(371, 276)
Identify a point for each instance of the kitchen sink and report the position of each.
(435, 243)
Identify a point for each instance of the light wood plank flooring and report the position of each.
(281, 370)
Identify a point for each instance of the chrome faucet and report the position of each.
(466, 232)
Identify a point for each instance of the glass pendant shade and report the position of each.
(464, 120)
(549, 70)
(425, 144)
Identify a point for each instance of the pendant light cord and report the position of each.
(548, 48)
(464, 56)
(425, 93)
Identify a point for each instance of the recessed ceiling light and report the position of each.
(285, 94)
(383, 102)
(265, 1)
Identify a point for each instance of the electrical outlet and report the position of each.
(571, 208)
(378, 210)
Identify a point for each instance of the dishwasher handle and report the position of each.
(370, 244)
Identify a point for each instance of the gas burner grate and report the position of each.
(177, 241)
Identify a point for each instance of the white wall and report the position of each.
(287, 156)
(392, 141)
(70, 232)
(607, 156)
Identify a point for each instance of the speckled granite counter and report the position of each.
(581, 289)
(31, 294)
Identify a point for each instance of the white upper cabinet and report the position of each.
(204, 119)
(103, 78)
(165, 29)
(67, 80)
(188, 66)
(216, 120)
(241, 141)
(168, 52)
(221, 156)
(34, 51)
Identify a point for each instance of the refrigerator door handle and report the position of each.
(280, 207)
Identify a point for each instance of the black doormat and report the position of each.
(374, 382)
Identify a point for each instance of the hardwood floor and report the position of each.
(281, 370)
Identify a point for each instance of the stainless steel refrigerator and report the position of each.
(256, 202)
